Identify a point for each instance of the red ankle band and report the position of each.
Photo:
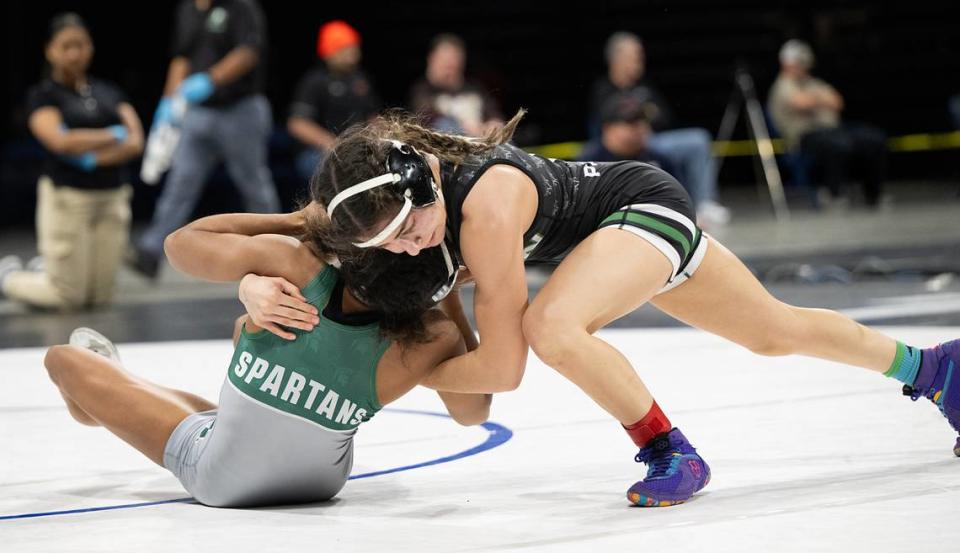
(653, 423)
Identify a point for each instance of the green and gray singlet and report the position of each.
(288, 411)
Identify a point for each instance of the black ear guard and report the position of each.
(409, 175)
(415, 174)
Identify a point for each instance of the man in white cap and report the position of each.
(806, 111)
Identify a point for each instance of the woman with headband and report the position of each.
(624, 235)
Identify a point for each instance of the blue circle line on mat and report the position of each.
(497, 435)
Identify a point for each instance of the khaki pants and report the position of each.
(82, 236)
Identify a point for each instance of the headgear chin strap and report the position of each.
(409, 175)
(452, 271)
(439, 288)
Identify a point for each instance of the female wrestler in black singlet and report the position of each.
(624, 235)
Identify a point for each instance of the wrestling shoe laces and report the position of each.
(674, 472)
(660, 457)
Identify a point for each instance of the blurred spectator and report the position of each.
(330, 97)
(625, 134)
(806, 111)
(89, 130)
(954, 106)
(447, 100)
(219, 53)
(689, 150)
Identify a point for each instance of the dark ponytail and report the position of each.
(400, 286)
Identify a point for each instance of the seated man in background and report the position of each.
(625, 134)
(954, 106)
(448, 101)
(331, 96)
(689, 150)
(806, 111)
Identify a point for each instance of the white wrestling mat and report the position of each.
(806, 456)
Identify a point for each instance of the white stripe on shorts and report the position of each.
(692, 265)
(657, 242)
(668, 213)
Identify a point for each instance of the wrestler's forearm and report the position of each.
(226, 247)
(452, 306)
(250, 224)
(467, 409)
(470, 373)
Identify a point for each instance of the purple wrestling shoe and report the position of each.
(939, 381)
(675, 472)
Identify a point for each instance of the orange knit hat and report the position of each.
(334, 36)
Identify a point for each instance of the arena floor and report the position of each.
(793, 443)
(806, 455)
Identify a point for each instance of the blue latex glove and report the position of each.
(196, 88)
(163, 114)
(86, 162)
(119, 132)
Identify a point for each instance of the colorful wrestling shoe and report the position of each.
(675, 472)
(939, 381)
(92, 340)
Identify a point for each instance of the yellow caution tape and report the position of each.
(739, 148)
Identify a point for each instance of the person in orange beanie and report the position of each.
(331, 96)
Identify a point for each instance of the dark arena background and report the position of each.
(806, 454)
(895, 62)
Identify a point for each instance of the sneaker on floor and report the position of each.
(9, 264)
(675, 472)
(939, 381)
(36, 264)
(92, 340)
(143, 263)
(832, 203)
(712, 214)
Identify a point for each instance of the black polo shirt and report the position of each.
(94, 106)
(334, 101)
(206, 37)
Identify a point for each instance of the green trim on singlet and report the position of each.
(327, 376)
(643, 221)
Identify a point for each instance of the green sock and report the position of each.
(906, 364)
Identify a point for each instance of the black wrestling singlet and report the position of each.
(574, 197)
